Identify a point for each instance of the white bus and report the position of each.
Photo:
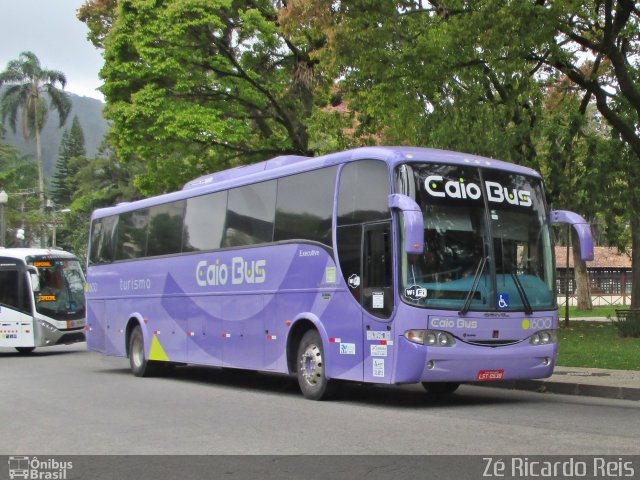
(41, 298)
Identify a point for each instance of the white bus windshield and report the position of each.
(61, 292)
(487, 241)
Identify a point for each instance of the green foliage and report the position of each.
(71, 156)
(26, 84)
(18, 175)
(628, 323)
(194, 86)
(26, 81)
(100, 182)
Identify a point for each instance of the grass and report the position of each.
(597, 345)
(606, 311)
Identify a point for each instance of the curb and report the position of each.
(569, 388)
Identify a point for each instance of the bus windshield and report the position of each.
(487, 241)
(61, 291)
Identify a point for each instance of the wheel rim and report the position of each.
(311, 366)
(137, 354)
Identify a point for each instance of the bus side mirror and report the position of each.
(412, 221)
(581, 228)
(35, 279)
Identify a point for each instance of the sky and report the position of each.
(51, 30)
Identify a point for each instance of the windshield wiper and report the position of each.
(474, 286)
(522, 293)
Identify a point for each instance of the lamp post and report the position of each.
(4, 198)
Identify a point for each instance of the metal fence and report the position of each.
(607, 286)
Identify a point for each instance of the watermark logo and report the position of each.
(38, 469)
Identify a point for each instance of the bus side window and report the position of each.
(13, 290)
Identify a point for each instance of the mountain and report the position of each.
(94, 127)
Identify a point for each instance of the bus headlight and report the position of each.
(431, 338)
(543, 337)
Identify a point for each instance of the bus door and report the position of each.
(16, 312)
(377, 301)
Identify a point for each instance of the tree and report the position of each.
(26, 85)
(17, 178)
(594, 44)
(71, 155)
(196, 86)
(99, 182)
(473, 75)
(411, 79)
(448, 74)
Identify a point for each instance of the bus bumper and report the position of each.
(472, 363)
(48, 335)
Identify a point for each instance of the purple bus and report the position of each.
(384, 264)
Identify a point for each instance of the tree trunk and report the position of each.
(583, 292)
(40, 182)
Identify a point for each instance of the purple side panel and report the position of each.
(95, 329)
(233, 308)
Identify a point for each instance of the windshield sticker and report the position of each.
(436, 186)
(503, 300)
(378, 300)
(415, 292)
(354, 281)
(47, 298)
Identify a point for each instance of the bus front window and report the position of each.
(61, 294)
(487, 244)
(444, 274)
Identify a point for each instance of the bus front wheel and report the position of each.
(140, 366)
(311, 368)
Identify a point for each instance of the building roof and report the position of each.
(604, 257)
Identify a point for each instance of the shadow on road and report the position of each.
(349, 393)
(39, 353)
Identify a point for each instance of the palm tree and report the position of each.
(26, 83)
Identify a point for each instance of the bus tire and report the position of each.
(310, 367)
(140, 366)
(440, 388)
(25, 350)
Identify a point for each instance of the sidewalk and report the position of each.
(591, 382)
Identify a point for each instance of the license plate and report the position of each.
(489, 375)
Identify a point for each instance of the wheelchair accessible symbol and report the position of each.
(503, 300)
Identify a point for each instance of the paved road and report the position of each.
(65, 400)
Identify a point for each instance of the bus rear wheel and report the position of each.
(140, 366)
(310, 368)
(25, 349)
(440, 388)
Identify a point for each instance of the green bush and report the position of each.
(628, 323)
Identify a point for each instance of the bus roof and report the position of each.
(291, 164)
(23, 253)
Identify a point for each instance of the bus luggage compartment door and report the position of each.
(16, 329)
